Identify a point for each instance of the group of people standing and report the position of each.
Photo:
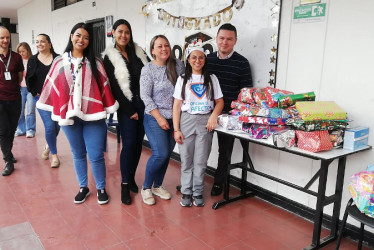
(162, 98)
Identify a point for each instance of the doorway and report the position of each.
(98, 26)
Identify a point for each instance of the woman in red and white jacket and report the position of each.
(77, 93)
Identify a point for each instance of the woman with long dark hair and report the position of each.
(198, 101)
(78, 95)
(37, 70)
(123, 63)
(157, 83)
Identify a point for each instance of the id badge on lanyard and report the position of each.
(7, 75)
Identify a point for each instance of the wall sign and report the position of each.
(310, 13)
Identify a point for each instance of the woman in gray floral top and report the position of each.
(157, 82)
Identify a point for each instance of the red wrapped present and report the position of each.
(314, 141)
(258, 95)
(245, 95)
(272, 96)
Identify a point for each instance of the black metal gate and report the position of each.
(98, 36)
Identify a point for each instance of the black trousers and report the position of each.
(225, 147)
(10, 112)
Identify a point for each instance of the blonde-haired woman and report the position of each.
(26, 123)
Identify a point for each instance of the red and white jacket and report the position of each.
(83, 99)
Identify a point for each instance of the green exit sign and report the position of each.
(310, 11)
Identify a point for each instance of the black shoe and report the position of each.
(133, 187)
(216, 190)
(13, 160)
(102, 197)
(125, 194)
(179, 187)
(83, 193)
(8, 169)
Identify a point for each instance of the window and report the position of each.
(58, 4)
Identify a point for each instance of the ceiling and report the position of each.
(8, 8)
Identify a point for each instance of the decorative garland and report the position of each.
(197, 23)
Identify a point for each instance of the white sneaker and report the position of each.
(29, 135)
(161, 192)
(148, 197)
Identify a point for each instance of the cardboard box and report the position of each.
(356, 138)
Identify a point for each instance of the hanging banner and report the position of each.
(196, 23)
(186, 21)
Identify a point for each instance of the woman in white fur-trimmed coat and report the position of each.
(123, 63)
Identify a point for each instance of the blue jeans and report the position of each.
(162, 145)
(132, 133)
(87, 137)
(27, 124)
(51, 129)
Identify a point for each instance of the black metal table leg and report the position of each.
(317, 242)
(338, 197)
(244, 193)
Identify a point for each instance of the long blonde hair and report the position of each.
(26, 46)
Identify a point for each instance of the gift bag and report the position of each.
(361, 188)
(314, 141)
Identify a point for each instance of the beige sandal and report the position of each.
(45, 154)
(55, 163)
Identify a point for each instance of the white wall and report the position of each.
(37, 16)
(14, 38)
(333, 58)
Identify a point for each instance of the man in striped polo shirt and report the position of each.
(234, 73)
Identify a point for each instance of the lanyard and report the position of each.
(7, 65)
(74, 74)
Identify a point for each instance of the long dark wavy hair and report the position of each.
(50, 42)
(171, 68)
(89, 51)
(207, 80)
(130, 47)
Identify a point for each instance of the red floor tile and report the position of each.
(43, 196)
(238, 246)
(172, 234)
(263, 241)
(125, 226)
(190, 243)
(240, 229)
(150, 241)
(217, 238)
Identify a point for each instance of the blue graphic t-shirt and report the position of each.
(197, 100)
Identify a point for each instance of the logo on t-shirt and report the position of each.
(198, 89)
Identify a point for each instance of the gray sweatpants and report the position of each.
(194, 152)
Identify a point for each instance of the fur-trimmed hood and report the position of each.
(120, 69)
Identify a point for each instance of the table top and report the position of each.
(324, 155)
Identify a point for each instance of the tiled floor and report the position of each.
(36, 207)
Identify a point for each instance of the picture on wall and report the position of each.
(109, 25)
